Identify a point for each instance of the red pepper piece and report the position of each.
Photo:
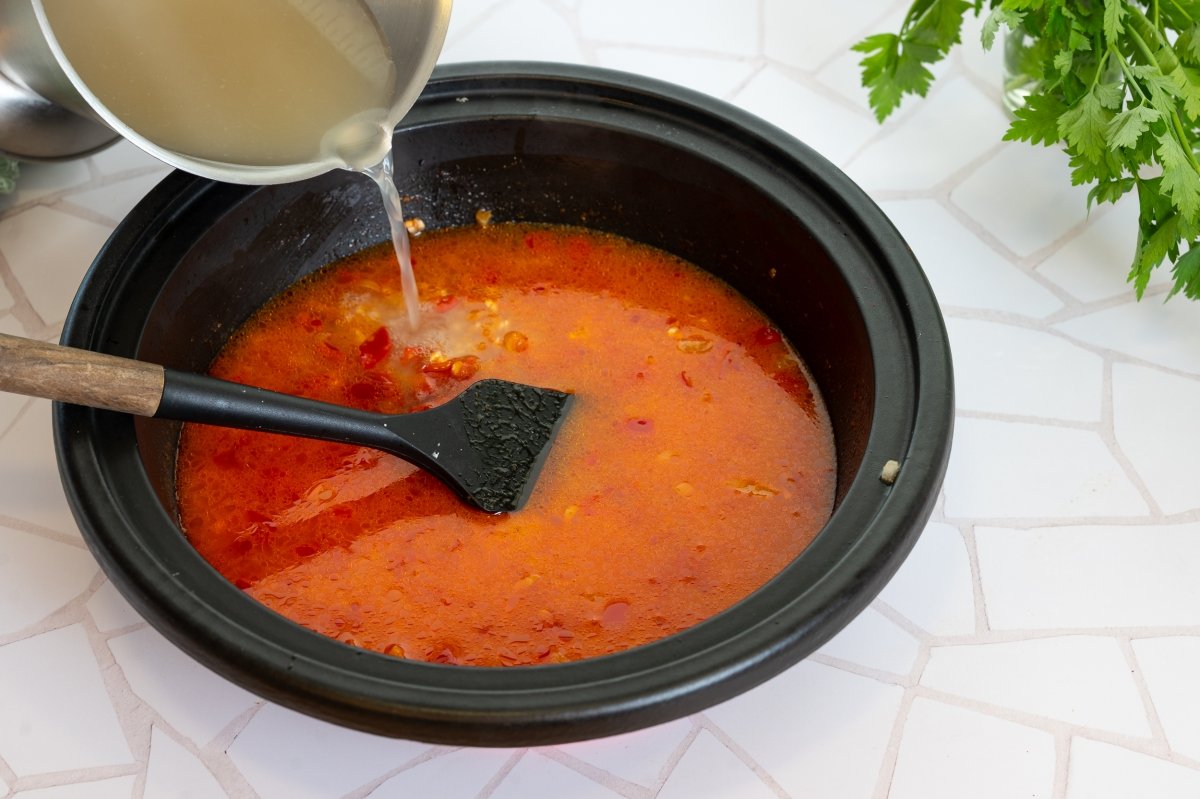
(766, 336)
(375, 348)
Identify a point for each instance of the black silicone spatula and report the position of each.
(488, 443)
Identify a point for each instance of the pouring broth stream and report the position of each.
(262, 83)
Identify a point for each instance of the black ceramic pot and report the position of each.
(548, 143)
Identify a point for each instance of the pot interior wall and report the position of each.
(239, 246)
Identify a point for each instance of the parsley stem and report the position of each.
(1100, 67)
(1142, 31)
(909, 22)
(1182, 11)
(1188, 147)
(1129, 77)
(1145, 48)
(1176, 123)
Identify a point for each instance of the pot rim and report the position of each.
(870, 533)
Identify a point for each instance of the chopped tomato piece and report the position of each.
(375, 348)
(765, 336)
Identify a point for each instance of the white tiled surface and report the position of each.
(1043, 639)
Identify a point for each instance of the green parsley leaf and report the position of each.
(1129, 125)
(1063, 61)
(1152, 250)
(1111, 190)
(1180, 180)
(1109, 167)
(10, 170)
(945, 26)
(1037, 121)
(1084, 126)
(895, 64)
(991, 25)
(1079, 40)
(1187, 82)
(1110, 95)
(1161, 89)
(1114, 13)
(892, 69)
(1188, 44)
(1187, 273)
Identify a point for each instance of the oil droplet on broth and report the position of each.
(615, 615)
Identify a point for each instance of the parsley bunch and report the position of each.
(1115, 82)
(9, 169)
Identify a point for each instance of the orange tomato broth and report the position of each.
(696, 461)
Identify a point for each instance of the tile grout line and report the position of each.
(1143, 688)
(1048, 326)
(7, 777)
(478, 22)
(810, 81)
(215, 754)
(430, 754)
(756, 68)
(67, 778)
(1041, 421)
(891, 757)
(29, 528)
(1147, 746)
(760, 30)
(891, 752)
(758, 62)
(851, 667)
(1062, 764)
(587, 47)
(741, 754)
(130, 707)
(70, 613)
(1066, 522)
(942, 193)
(22, 310)
(135, 716)
(677, 755)
(900, 620)
(490, 788)
(982, 625)
(618, 785)
(1009, 636)
(1108, 435)
(65, 206)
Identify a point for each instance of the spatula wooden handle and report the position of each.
(81, 377)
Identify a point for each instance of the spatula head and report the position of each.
(490, 442)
